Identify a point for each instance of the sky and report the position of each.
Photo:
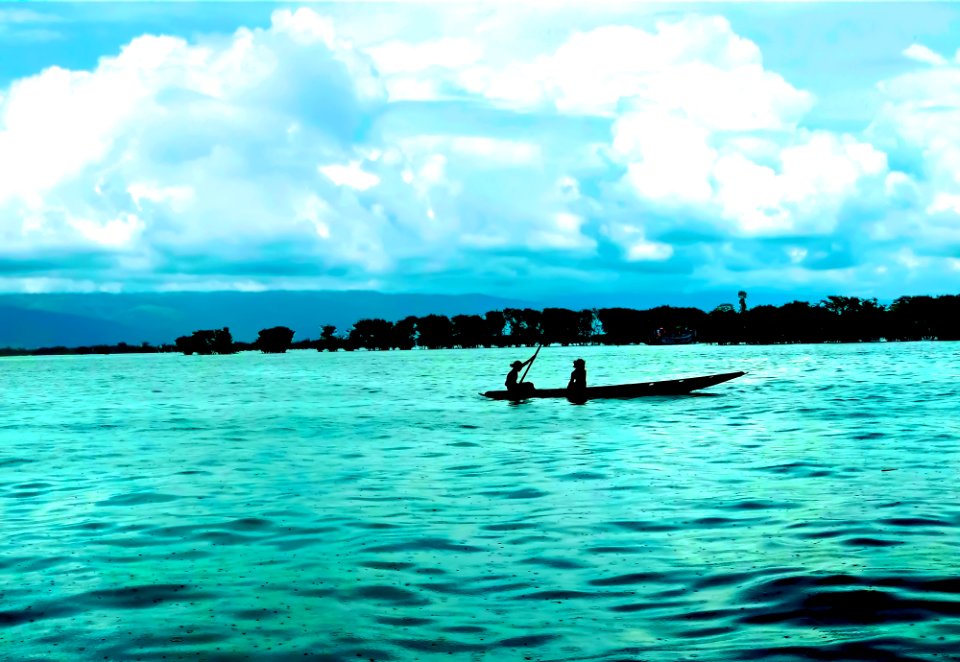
(522, 149)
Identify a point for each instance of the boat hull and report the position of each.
(675, 340)
(622, 391)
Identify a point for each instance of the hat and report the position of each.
(516, 364)
(579, 362)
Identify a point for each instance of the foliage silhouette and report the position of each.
(328, 339)
(405, 333)
(207, 341)
(275, 340)
(834, 319)
(372, 334)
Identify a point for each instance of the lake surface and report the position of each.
(370, 506)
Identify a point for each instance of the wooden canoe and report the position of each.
(622, 391)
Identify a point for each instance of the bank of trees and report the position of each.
(275, 340)
(63, 350)
(834, 319)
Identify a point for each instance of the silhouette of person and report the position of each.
(578, 378)
(513, 387)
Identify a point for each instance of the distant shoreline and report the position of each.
(835, 319)
(112, 350)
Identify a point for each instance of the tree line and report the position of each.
(834, 319)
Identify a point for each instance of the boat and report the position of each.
(662, 337)
(622, 391)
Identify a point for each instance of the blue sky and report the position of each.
(793, 149)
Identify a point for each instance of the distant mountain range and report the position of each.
(42, 320)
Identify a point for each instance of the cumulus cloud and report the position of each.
(288, 155)
(919, 123)
(715, 139)
(191, 139)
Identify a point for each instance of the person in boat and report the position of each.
(512, 384)
(578, 378)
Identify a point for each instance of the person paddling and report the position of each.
(513, 386)
(578, 378)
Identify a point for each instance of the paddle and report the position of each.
(530, 365)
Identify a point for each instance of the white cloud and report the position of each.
(920, 122)
(921, 53)
(636, 247)
(103, 155)
(944, 202)
(643, 250)
(304, 26)
(396, 57)
(668, 158)
(350, 175)
(561, 231)
(176, 196)
(115, 233)
(697, 66)
(679, 164)
(703, 129)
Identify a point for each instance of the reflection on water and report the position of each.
(372, 506)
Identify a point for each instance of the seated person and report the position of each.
(513, 387)
(578, 378)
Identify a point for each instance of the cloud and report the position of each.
(921, 53)
(192, 140)
(397, 57)
(26, 25)
(919, 123)
(351, 175)
(677, 65)
(292, 155)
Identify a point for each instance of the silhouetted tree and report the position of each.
(405, 333)
(434, 332)
(560, 325)
(372, 334)
(275, 340)
(206, 342)
(469, 330)
(622, 326)
(494, 323)
(762, 325)
(588, 326)
(742, 296)
(947, 326)
(524, 325)
(724, 326)
(925, 318)
(802, 322)
(328, 339)
(854, 319)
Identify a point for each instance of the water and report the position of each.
(360, 506)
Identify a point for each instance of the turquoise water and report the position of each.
(359, 506)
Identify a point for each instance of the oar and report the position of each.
(530, 365)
